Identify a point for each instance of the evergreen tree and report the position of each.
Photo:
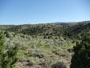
(81, 57)
(7, 58)
(2, 48)
(10, 58)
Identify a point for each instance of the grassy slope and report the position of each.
(40, 51)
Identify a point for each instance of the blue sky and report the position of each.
(43, 11)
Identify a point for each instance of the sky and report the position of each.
(43, 11)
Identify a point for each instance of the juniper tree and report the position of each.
(7, 58)
(81, 57)
(2, 48)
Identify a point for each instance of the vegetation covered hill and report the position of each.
(44, 45)
(70, 30)
(38, 52)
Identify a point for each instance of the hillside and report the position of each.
(44, 45)
(69, 30)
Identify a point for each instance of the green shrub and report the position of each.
(8, 35)
(7, 58)
(59, 65)
(81, 57)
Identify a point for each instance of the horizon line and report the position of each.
(48, 23)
